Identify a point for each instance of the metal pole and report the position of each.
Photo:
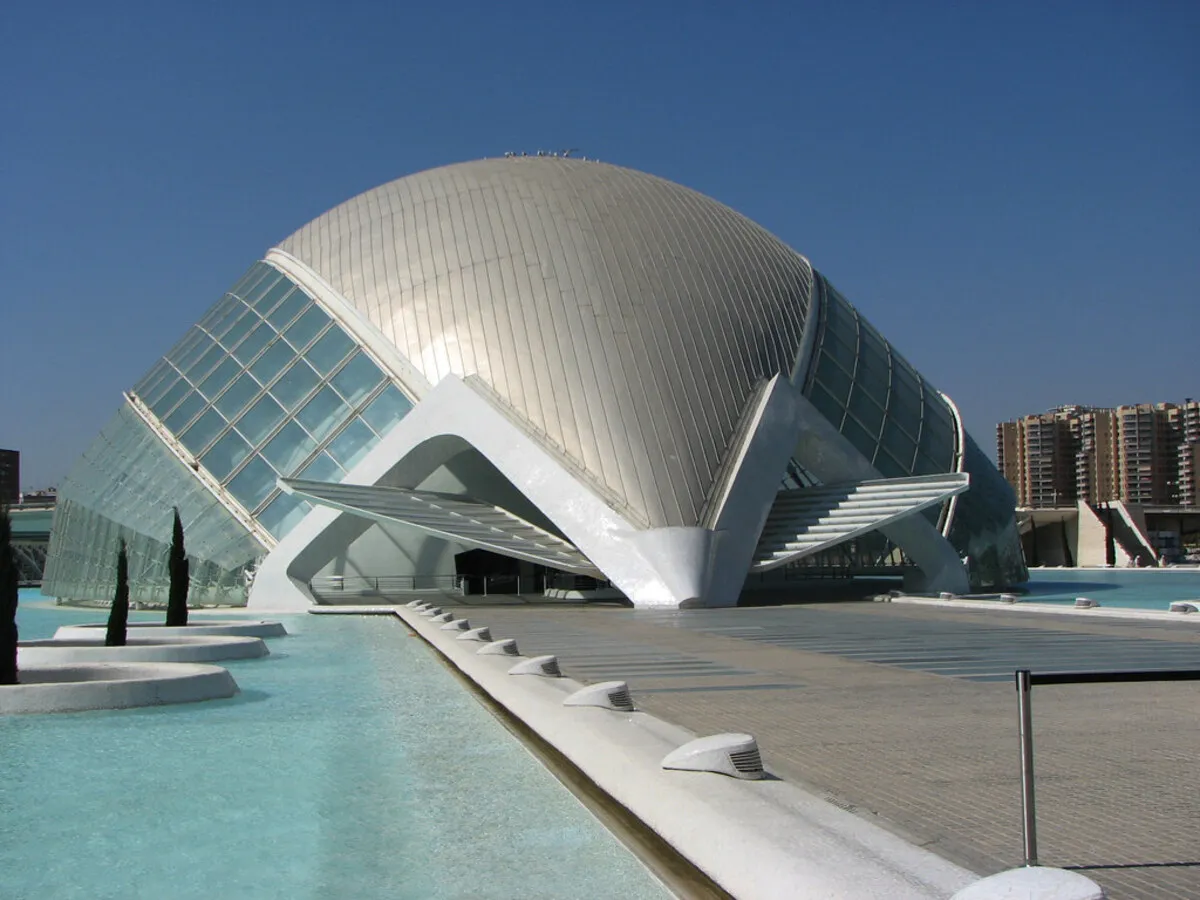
(1028, 813)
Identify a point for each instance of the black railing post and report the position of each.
(1028, 812)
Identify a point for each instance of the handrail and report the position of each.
(1025, 680)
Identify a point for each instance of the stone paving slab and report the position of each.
(931, 756)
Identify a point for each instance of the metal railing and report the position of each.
(337, 586)
(1025, 680)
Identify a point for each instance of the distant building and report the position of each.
(10, 476)
(1146, 454)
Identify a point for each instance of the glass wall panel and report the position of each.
(97, 504)
(239, 329)
(330, 350)
(270, 279)
(213, 354)
(252, 485)
(296, 384)
(240, 393)
(357, 378)
(170, 398)
(224, 456)
(185, 412)
(291, 307)
(352, 444)
(272, 362)
(260, 420)
(323, 468)
(288, 449)
(301, 332)
(220, 378)
(247, 282)
(386, 410)
(189, 350)
(323, 413)
(890, 405)
(283, 513)
(269, 299)
(254, 342)
(202, 431)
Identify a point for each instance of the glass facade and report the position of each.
(265, 385)
(874, 397)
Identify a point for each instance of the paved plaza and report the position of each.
(906, 715)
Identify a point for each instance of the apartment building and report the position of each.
(1145, 453)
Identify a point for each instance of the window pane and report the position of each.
(899, 445)
(288, 449)
(233, 308)
(203, 430)
(205, 363)
(224, 456)
(234, 400)
(323, 468)
(267, 301)
(240, 329)
(185, 412)
(889, 467)
(386, 410)
(259, 338)
(283, 513)
(252, 485)
(168, 400)
(862, 441)
(296, 384)
(288, 309)
(868, 413)
(155, 378)
(198, 344)
(323, 413)
(834, 380)
(260, 420)
(844, 353)
(256, 273)
(352, 444)
(357, 378)
(829, 407)
(272, 362)
(220, 377)
(307, 327)
(270, 279)
(330, 350)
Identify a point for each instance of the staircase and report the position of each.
(804, 522)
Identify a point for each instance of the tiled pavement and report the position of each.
(907, 715)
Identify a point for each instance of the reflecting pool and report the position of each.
(351, 765)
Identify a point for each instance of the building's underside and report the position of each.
(582, 368)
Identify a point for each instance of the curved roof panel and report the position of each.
(625, 318)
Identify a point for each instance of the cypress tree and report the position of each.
(177, 564)
(118, 616)
(8, 602)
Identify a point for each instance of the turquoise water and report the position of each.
(351, 765)
(1122, 588)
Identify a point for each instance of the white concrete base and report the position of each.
(94, 631)
(48, 689)
(1033, 883)
(760, 840)
(190, 649)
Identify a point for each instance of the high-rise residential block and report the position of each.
(1145, 453)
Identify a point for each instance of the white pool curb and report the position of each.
(49, 689)
(760, 840)
(190, 649)
(260, 628)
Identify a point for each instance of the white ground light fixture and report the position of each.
(545, 666)
(731, 754)
(612, 695)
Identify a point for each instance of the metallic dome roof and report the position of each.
(623, 319)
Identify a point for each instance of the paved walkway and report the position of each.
(907, 715)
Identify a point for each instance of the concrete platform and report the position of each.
(79, 687)
(192, 648)
(259, 628)
(906, 716)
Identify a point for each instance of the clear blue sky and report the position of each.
(1009, 191)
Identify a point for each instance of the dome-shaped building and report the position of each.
(531, 366)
